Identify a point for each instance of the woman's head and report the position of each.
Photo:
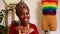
(22, 11)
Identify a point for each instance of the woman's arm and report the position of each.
(12, 27)
(35, 29)
(32, 30)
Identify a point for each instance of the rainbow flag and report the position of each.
(49, 7)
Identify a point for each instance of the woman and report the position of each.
(22, 11)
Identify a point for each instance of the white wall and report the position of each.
(35, 13)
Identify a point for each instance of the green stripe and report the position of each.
(47, 7)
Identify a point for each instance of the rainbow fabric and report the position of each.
(49, 7)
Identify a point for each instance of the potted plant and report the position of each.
(3, 29)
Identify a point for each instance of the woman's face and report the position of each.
(24, 16)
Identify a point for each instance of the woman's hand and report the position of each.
(19, 27)
(27, 31)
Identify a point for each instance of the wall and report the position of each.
(36, 14)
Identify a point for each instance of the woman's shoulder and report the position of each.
(32, 25)
(14, 23)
